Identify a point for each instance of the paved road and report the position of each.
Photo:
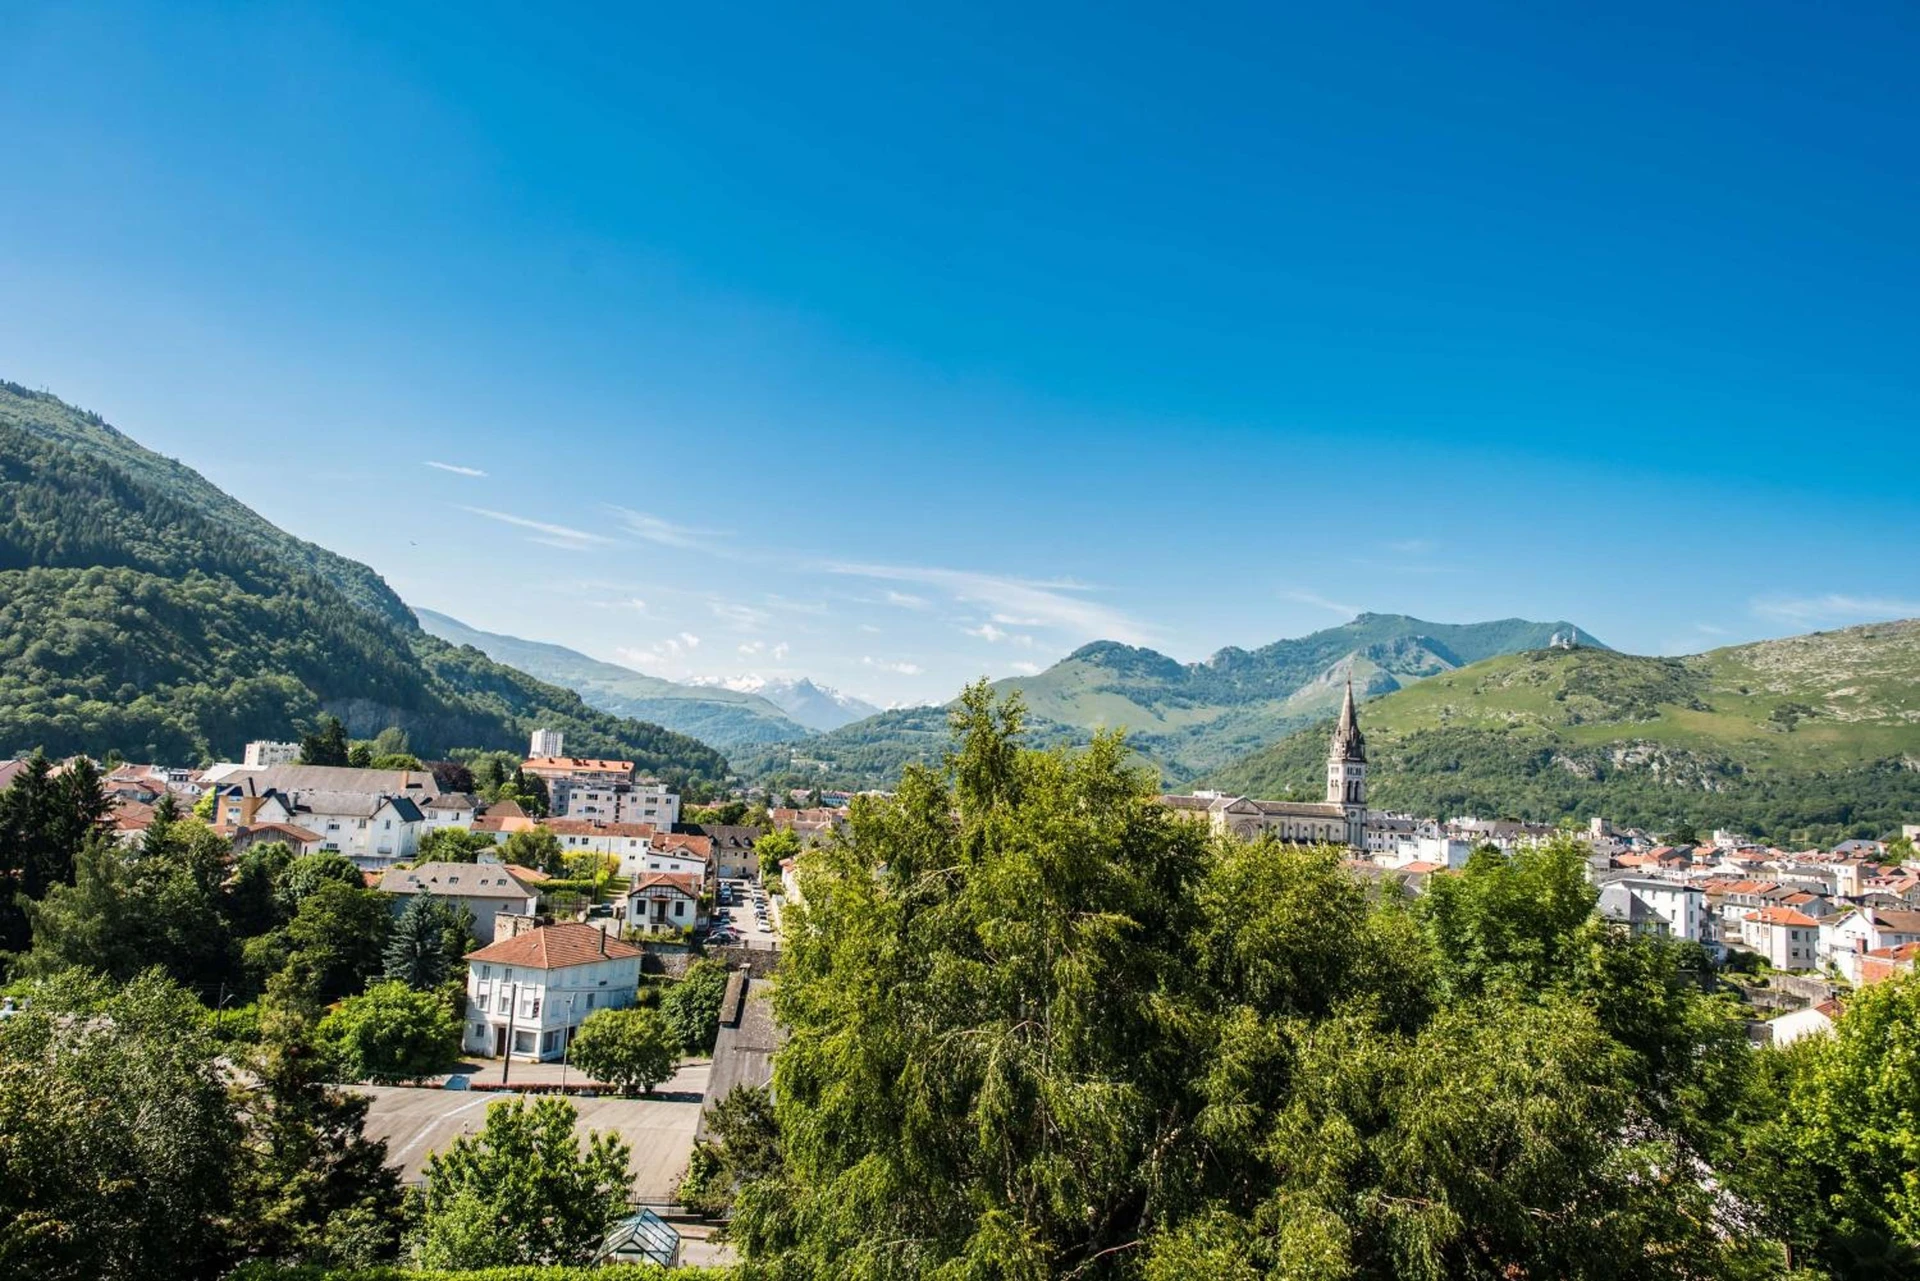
(416, 1122)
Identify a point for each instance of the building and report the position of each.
(292, 835)
(1665, 908)
(733, 848)
(1857, 933)
(528, 994)
(1789, 940)
(449, 809)
(484, 890)
(548, 743)
(606, 791)
(1340, 820)
(663, 902)
(263, 752)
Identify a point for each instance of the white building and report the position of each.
(529, 994)
(1851, 935)
(547, 742)
(662, 902)
(1667, 908)
(263, 752)
(1439, 851)
(449, 809)
(1789, 940)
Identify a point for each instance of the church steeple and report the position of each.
(1349, 744)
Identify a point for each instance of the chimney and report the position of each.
(603, 942)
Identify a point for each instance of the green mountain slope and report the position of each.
(1182, 718)
(726, 718)
(1199, 716)
(1810, 737)
(145, 612)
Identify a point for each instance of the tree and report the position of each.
(1039, 1026)
(326, 745)
(429, 941)
(691, 1006)
(534, 847)
(389, 1035)
(360, 756)
(117, 1136)
(45, 818)
(776, 845)
(392, 741)
(745, 1149)
(338, 938)
(455, 845)
(307, 873)
(1859, 1100)
(632, 1050)
(397, 760)
(521, 1191)
(315, 1188)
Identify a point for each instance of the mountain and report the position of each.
(1807, 738)
(1199, 716)
(1185, 718)
(726, 718)
(144, 611)
(818, 707)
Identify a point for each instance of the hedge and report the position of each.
(612, 1272)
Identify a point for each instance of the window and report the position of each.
(534, 1013)
(679, 909)
(480, 1001)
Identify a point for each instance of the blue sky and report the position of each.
(893, 345)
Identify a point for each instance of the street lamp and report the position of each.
(566, 1041)
(513, 1007)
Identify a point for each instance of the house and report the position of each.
(528, 994)
(1885, 963)
(1676, 910)
(129, 820)
(449, 809)
(501, 820)
(1789, 940)
(371, 816)
(733, 856)
(663, 902)
(629, 842)
(1862, 930)
(485, 890)
(297, 838)
(1815, 1020)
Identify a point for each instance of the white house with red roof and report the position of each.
(1854, 934)
(1789, 939)
(528, 995)
(663, 902)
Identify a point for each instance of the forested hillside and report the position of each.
(1181, 718)
(1812, 737)
(143, 611)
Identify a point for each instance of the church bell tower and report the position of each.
(1347, 771)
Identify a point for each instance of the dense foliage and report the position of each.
(144, 612)
(126, 1152)
(691, 1006)
(524, 1190)
(632, 1050)
(1041, 1027)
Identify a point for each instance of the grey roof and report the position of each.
(1619, 903)
(456, 880)
(743, 1052)
(1349, 744)
(452, 801)
(339, 778)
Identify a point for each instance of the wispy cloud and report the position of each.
(742, 618)
(1410, 546)
(658, 529)
(549, 534)
(1833, 607)
(456, 468)
(1318, 601)
(1050, 603)
(906, 600)
(903, 669)
(993, 635)
(1025, 668)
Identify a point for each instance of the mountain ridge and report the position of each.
(145, 611)
(1812, 736)
(1184, 718)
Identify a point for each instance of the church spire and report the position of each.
(1349, 744)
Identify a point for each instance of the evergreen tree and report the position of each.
(429, 939)
(326, 745)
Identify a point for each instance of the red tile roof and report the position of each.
(552, 947)
(1781, 916)
(685, 882)
(593, 827)
(576, 765)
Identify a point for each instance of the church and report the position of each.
(1339, 820)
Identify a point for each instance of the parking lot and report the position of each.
(417, 1122)
(740, 915)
